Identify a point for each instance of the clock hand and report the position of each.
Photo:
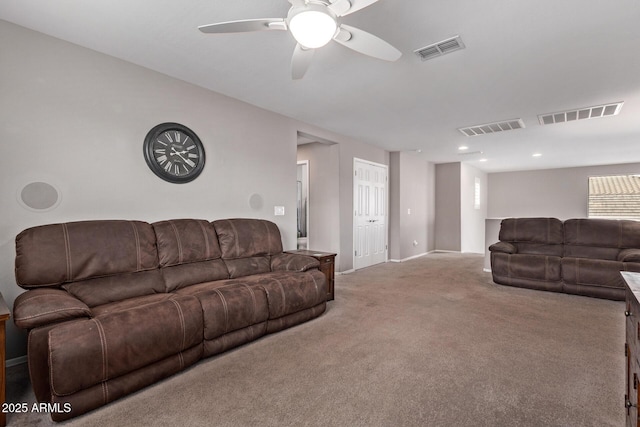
(179, 154)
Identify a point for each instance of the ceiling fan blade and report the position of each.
(356, 5)
(366, 43)
(300, 61)
(297, 2)
(245, 25)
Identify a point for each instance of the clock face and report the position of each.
(174, 152)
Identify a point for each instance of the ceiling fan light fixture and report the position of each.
(312, 26)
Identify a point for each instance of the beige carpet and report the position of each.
(428, 342)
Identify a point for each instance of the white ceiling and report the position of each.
(522, 58)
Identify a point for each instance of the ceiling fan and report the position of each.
(313, 24)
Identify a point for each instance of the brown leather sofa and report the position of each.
(113, 306)
(577, 256)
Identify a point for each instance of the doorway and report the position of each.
(370, 201)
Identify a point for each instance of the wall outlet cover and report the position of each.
(278, 210)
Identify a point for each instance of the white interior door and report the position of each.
(370, 213)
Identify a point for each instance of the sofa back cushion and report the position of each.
(247, 245)
(188, 252)
(600, 238)
(539, 236)
(54, 254)
(181, 241)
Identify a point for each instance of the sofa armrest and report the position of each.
(293, 262)
(39, 307)
(629, 255)
(505, 247)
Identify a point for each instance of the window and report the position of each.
(614, 197)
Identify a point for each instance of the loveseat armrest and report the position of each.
(629, 255)
(505, 247)
(44, 306)
(293, 262)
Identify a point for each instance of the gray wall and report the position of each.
(76, 119)
(324, 215)
(472, 219)
(447, 199)
(560, 193)
(347, 149)
(412, 215)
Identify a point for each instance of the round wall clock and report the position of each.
(174, 153)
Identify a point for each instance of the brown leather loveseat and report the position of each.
(113, 306)
(577, 256)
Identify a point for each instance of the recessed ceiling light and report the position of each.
(483, 160)
(537, 154)
(463, 147)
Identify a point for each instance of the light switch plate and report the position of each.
(278, 210)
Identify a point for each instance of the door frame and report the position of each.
(305, 163)
(354, 194)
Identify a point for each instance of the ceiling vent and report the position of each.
(471, 153)
(581, 114)
(440, 48)
(492, 127)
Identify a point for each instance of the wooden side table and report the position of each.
(327, 266)
(5, 314)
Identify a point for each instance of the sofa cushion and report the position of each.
(629, 255)
(243, 267)
(243, 238)
(505, 247)
(59, 253)
(188, 252)
(535, 267)
(180, 276)
(112, 307)
(536, 236)
(595, 272)
(293, 262)
(290, 292)
(103, 290)
(532, 230)
(44, 306)
(96, 350)
(600, 238)
(229, 305)
(183, 241)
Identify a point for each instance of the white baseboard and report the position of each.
(338, 273)
(16, 361)
(411, 257)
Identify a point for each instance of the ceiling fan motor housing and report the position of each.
(312, 25)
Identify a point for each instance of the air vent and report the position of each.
(471, 153)
(440, 48)
(581, 114)
(492, 127)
